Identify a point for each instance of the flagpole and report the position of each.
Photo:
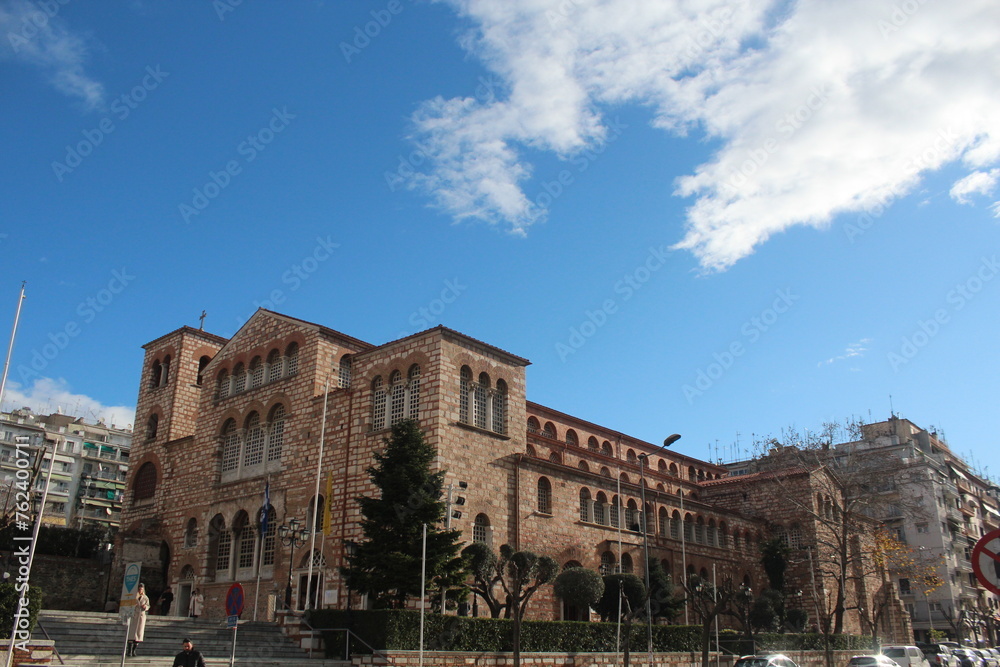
(319, 473)
(10, 347)
(265, 520)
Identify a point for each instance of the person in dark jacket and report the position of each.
(189, 657)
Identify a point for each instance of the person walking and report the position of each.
(196, 603)
(189, 657)
(138, 620)
(166, 598)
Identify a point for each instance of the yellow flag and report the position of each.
(328, 503)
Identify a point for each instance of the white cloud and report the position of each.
(853, 350)
(819, 108)
(47, 395)
(35, 34)
(976, 183)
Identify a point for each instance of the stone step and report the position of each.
(88, 638)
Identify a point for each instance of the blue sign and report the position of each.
(234, 600)
(232, 621)
(131, 577)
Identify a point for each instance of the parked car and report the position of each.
(906, 656)
(968, 658)
(877, 660)
(766, 660)
(989, 660)
(939, 655)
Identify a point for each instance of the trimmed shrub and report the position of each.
(9, 597)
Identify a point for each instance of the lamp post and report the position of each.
(644, 526)
(350, 550)
(292, 536)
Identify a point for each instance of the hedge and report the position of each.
(400, 630)
(9, 598)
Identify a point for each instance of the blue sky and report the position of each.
(721, 219)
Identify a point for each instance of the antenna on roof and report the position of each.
(892, 412)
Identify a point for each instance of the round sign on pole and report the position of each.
(234, 600)
(986, 561)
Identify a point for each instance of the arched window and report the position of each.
(699, 531)
(533, 425)
(276, 432)
(664, 522)
(165, 377)
(582, 465)
(155, 374)
(292, 359)
(152, 426)
(222, 384)
(531, 451)
(632, 516)
(239, 379)
(601, 509)
(631, 458)
(549, 430)
(736, 540)
(626, 564)
(723, 535)
(606, 449)
(397, 401)
(571, 438)
(345, 372)
(191, 533)
(202, 363)
(675, 525)
(246, 541)
(317, 525)
(555, 458)
(592, 444)
(544, 495)
(624, 478)
(144, 485)
(607, 563)
(481, 529)
(267, 551)
(256, 373)
(692, 475)
(275, 365)
(605, 471)
(795, 536)
(413, 392)
(615, 511)
(219, 548)
(661, 467)
(688, 527)
(673, 470)
(378, 404)
(711, 534)
(464, 389)
(230, 441)
(481, 400)
(500, 408)
(585, 505)
(253, 452)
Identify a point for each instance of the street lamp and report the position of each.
(350, 550)
(292, 536)
(643, 462)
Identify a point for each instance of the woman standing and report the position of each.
(194, 606)
(138, 620)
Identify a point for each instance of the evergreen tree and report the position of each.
(387, 562)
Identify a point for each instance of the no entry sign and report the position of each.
(986, 561)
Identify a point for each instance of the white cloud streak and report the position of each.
(819, 108)
(47, 395)
(853, 350)
(36, 35)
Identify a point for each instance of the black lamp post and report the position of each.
(292, 536)
(350, 550)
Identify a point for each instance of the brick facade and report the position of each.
(536, 478)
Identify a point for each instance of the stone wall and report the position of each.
(73, 584)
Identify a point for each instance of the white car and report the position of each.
(877, 660)
(906, 656)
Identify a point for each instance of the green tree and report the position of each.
(767, 614)
(708, 602)
(387, 562)
(481, 564)
(774, 557)
(579, 587)
(9, 600)
(623, 601)
(663, 600)
(524, 573)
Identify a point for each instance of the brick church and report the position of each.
(216, 418)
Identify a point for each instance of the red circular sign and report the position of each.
(234, 600)
(986, 561)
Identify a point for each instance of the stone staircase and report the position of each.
(96, 640)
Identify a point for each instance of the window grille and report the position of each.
(276, 437)
(254, 450)
(230, 447)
